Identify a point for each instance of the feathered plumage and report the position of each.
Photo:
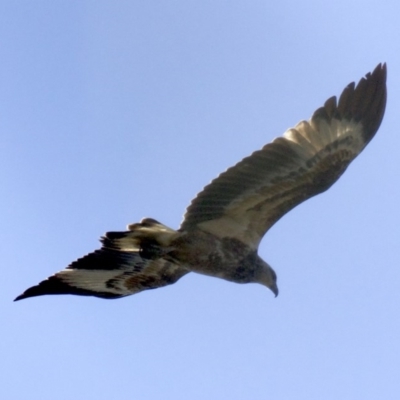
(224, 224)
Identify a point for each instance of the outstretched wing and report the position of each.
(114, 271)
(247, 199)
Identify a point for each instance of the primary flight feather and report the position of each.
(224, 225)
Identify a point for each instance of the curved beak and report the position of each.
(274, 289)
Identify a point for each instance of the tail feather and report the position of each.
(149, 228)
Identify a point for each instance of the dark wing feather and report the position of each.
(247, 199)
(114, 271)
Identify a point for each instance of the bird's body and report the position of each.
(228, 259)
(225, 223)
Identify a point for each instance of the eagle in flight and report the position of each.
(224, 225)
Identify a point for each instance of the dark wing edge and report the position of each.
(109, 273)
(363, 103)
(306, 161)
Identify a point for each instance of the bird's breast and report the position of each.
(206, 254)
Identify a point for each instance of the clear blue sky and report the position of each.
(113, 111)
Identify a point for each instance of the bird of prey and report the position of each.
(224, 225)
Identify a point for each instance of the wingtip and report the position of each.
(55, 286)
(23, 296)
(363, 102)
(377, 96)
(26, 294)
(20, 297)
(381, 68)
(379, 73)
(49, 286)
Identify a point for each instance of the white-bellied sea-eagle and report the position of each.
(224, 225)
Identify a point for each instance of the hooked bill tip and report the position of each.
(274, 290)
